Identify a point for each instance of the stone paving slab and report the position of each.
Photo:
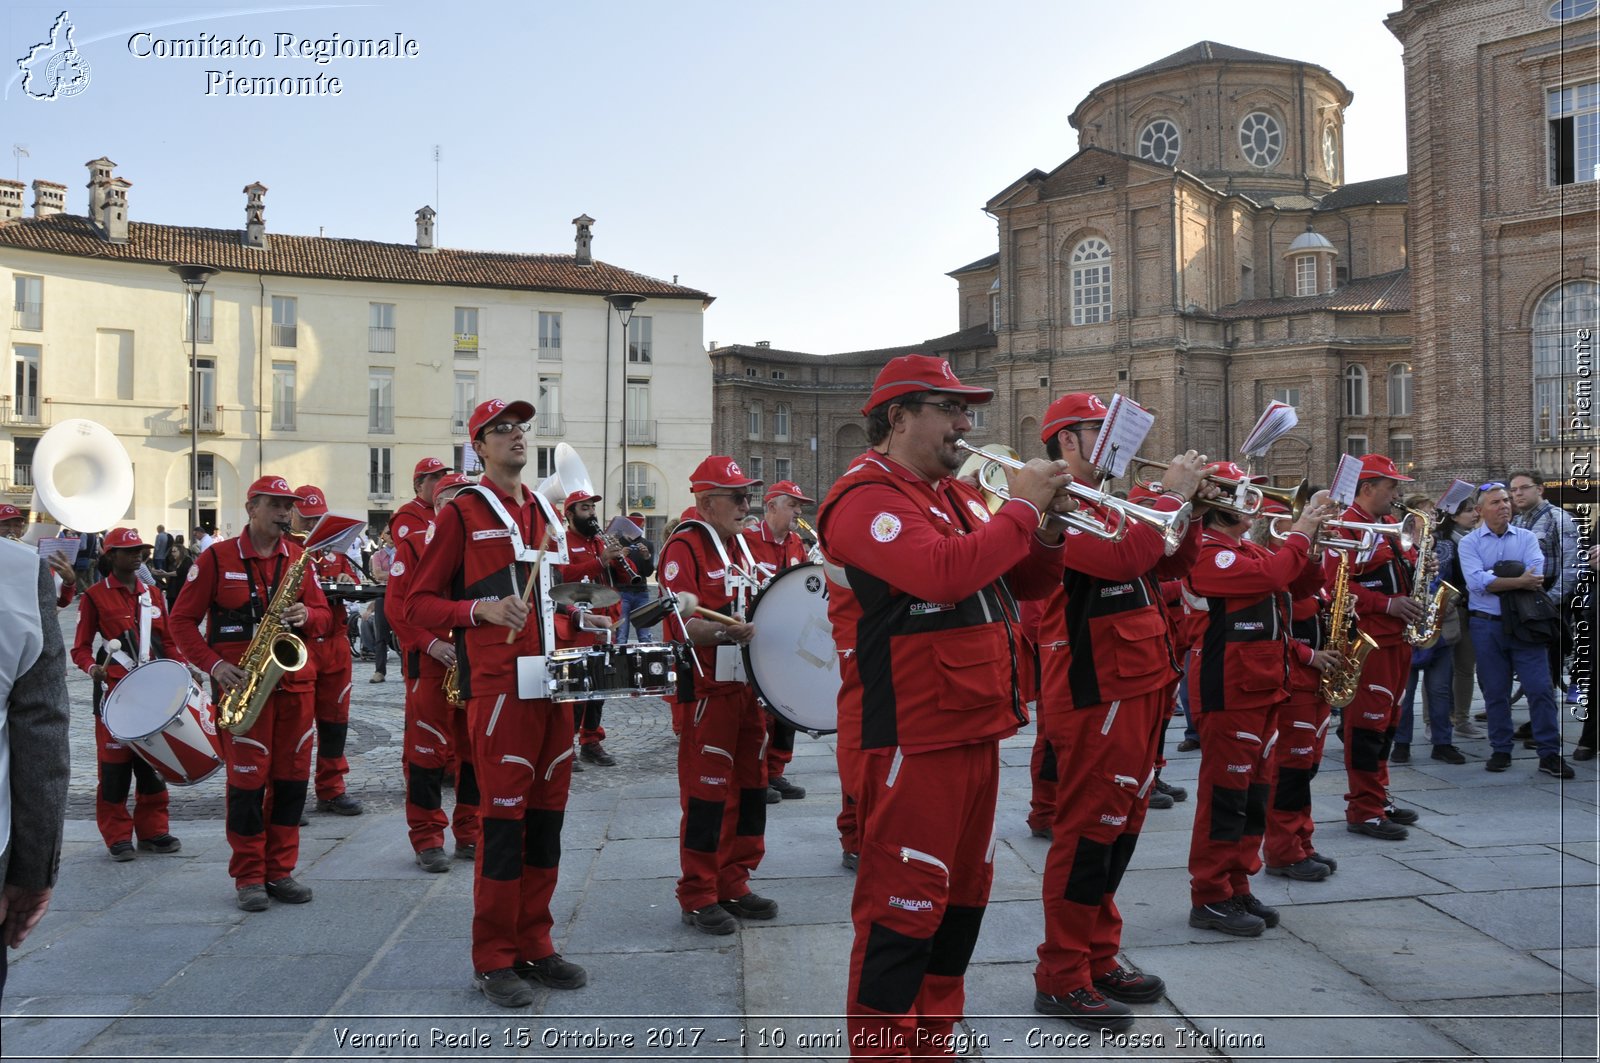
(1527, 1029)
(1471, 872)
(1527, 919)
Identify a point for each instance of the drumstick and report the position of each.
(708, 614)
(527, 591)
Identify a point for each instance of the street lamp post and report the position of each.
(624, 305)
(194, 278)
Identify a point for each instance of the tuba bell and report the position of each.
(83, 479)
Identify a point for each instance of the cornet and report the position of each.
(1173, 525)
(1277, 531)
(1246, 498)
(1407, 531)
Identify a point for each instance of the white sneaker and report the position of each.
(1468, 729)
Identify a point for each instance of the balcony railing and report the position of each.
(380, 419)
(550, 424)
(458, 421)
(29, 316)
(380, 340)
(205, 331)
(206, 482)
(641, 433)
(210, 420)
(642, 496)
(380, 485)
(549, 354)
(21, 477)
(26, 412)
(285, 335)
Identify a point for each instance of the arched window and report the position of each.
(1400, 390)
(1558, 322)
(1091, 282)
(1160, 142)
(1355, 391)
(1261, 139)
(755, 421)
(780, 422)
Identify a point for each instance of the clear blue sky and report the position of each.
(816, 166)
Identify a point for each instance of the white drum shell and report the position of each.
(792, 661)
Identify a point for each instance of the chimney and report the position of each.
(255, 216)
(582, 257)
(48, 198)
(114, 216)
(10, 199)
(425, 218)
(764, 343)
(99, 173)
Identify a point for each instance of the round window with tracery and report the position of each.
(1261, 139)
(1160, 142)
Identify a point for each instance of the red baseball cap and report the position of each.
(911, 373)
(1068, 410)
(1230, 471)
(427, 467)
(488, 411)
(579, 496)
(1374, 466)
(312, 503)
(272, 486)
(8, 512)
(790, 488)
(1272, 507)
(718, 471)
(451, 482)
(121, 539)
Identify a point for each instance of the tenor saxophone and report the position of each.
(273, 652)
(452, 683)
(1424, 632)
(1340, 682)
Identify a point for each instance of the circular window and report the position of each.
(1160, 143)
(1562, 10)
(1261, 139)
(1330, 151)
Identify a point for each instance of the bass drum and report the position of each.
(792, 661)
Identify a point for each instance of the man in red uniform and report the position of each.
(1237, 682)
(230, 587)
(927, 633)
(1302, 731)
(1108, 664)
(776, 546)
(330, 658)
(114, 609)
(12, 526)
(1381, 583)
(591, 558)
(434, 728)
(474, 577)
(722, 771)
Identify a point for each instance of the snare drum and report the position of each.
(160, 713)
(792, 661)
(596, 673)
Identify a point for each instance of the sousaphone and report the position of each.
(82, 479)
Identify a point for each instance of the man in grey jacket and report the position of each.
(33, 743)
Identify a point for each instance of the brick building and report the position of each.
(1202, 254)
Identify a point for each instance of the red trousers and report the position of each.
(120, 769)
(331, 658)
(848, 822)
(722, 788)
(927, 862)
(522, 751)
(780, 746)
(1043, 771)
(267, 770)
(1369, 724)
(437, 733)
(1302, 730)
(1230, 814)
(1107, 760)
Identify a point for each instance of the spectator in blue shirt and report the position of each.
(1499, 653)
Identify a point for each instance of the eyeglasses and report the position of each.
(949, 409)
(507, 427)
(740, 498)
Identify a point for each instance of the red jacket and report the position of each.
(774, 556)
(333, 647)
(584, 553)
(110, 610)
(411, 528)
(1105, 633)
(230, 587)
(1386, 574)
(928, 632)
(689, 562)
(1244, 650)
(470, 560)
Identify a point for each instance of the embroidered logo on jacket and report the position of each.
(910, 904)
(978, 510)
(886, 527)
(1226, 558)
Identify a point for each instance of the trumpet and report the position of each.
(1281, 531)
(987, 463)
(1408, 531)
(814, 552)
(1248, 498)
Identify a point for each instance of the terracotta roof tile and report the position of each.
(332, 258)
(1387, 293)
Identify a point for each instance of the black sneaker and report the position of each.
(1130, 987)
(712, 919)
(1307, 870)
(504, 987)
(552, 971)
(1188, 745)
(848, 861)
(750, 906)
(1227, 916)
(1328, 861)
(595, 753)
(466, 852)
(1160, 800)
(161, 843)
(343, 805)
(1403, 816)
(1498, 762)
(289, 891)
(773, 796)
(251, 898)
(1040, 832)
(1386, 829)
(1449, 754)
(1266, 914)
(121, 852)
(787, 790)
(1400, 754)
(433, 860)
(1087, 1009)
(1177, 793)
(1553, 764)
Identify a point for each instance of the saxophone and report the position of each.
(1339, 683)
(274, 651)
(452, 684)
(1425, 632)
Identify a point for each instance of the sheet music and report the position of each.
(1345, 480)
(1123, 433)
(67, 545)
(1275, 422)
(1458, 492)
(623, 528)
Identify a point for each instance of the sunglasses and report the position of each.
(507, 427)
